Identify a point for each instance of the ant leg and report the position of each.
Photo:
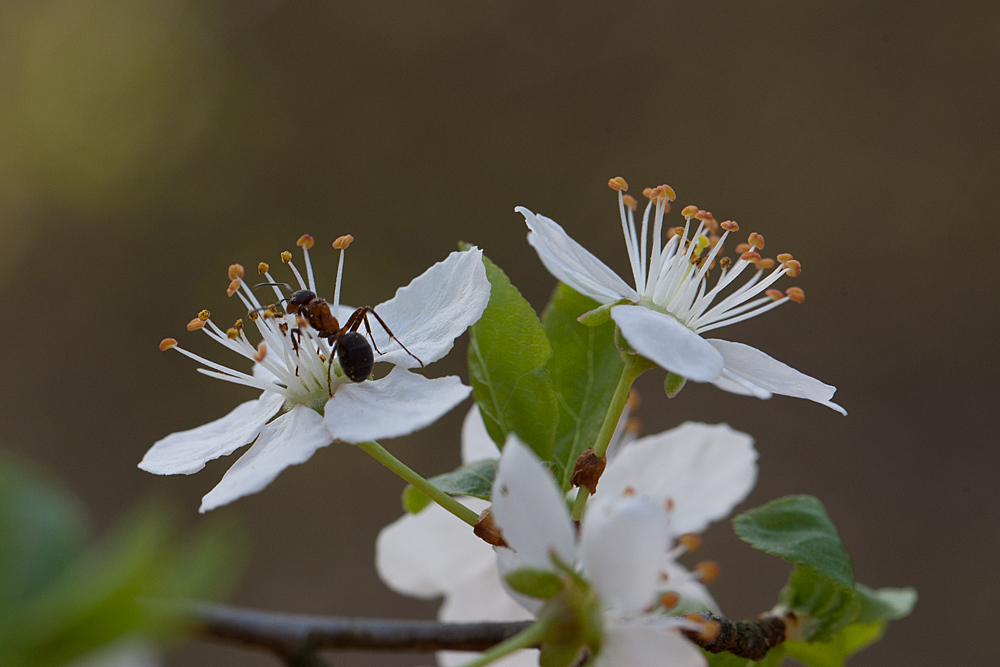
(329, 367)
(364, 316)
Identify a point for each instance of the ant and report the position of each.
(350, 347)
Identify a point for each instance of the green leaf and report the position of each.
(473, 479)
(542, 584)
(774, 658)
(585, 369)
(834, 653)
(798, 529)
(885, 604)
(508, 351)
(42, 529)
(823, 604)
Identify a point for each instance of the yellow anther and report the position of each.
(343, 241)
(668, 192)
(261, 352)
(775, 294)
(238, 325)
(630, 202)
(750, 256)
(232, 333)
(756, 240)
(263, 268)
(784, 257)
(195, 324)
(286, 256)
(690, 541)
(793, 267)
(795, 294)
(708, 571)
(743, 247)
(725, 262)
(674, 231)
(204, 315)
(730, 226)
(235, 271)
(618, 184)
(710, 222)
(669, 600)
(234, 285)
(305, 241)
(648, 193)
(767, 264)
(167, 343)
(633, 425)
(253, 315)
(689, 211)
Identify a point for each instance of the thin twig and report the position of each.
(297, 637)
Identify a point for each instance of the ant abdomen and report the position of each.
(355, 356)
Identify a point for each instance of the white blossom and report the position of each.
(702, 471)
(672, 304)
(300, 409)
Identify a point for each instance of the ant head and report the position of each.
(298, 300)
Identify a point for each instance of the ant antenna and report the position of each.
(285, 285)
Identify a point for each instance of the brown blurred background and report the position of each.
(145, 145)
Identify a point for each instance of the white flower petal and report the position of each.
(668, 343)
(482, 598)
(706, 471)
(432, 553)
(398, 404)
(186, 452)
(476, 442)
(573, 264)
(680, 581)
(289, 440)
(435, 308)
(634, 645)
(771, 375)
(529, 508)
(509, 561)
(621, 547)
(737, 385)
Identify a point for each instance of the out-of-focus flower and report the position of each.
(664, 316)
(316, 403)
(702, 471)
(620, 550)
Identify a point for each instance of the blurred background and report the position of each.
(145, 145)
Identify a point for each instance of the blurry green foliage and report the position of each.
(64, 594)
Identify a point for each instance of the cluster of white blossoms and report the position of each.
(316, 405)
(671, 306)
(699, 472)
(655, 494)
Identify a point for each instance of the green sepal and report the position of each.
(541, 584)
(599, 315)
(558, 655)
(585, 368)
(472, 479)
(884, 604)
(824, 606)
(508, 353)
(673, 384)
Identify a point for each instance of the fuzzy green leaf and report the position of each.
(834, 653)
(585, 368)
(824, 603)
(884, 604)
(473, 479)
(508, 351)
(798, 529)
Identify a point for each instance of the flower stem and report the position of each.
(634, 367)
(527, 638)
(379, 453)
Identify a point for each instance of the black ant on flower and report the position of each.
(349, 346)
